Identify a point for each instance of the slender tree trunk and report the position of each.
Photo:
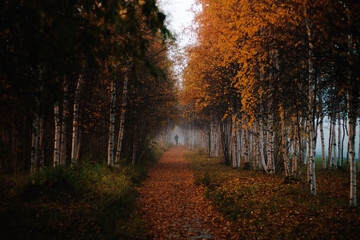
(262, 148)
(322, 144)
(41, 143)
(35, 144)
(233, 141)
(37, 127)
(65, 114)
(283, 146)
(359, 153)
(330, 145)
(239, 143)
(209, 138)
(351, 109)
(352, 124)
(342, 142)
(123, 112)
(348, 154)
(311, 106)
(111, 143)
(339, 143)
(75, 125)
(295, 151)
(246, 148)
(271, 164)
(334, 142)
(254, 148)
(57, 137)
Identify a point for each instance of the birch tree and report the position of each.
(75, 123)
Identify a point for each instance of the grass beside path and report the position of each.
(264, 207)
(90, 201)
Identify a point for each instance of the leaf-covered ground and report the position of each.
(261, 206)
(175, 207)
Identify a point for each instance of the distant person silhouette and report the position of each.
(176, 139)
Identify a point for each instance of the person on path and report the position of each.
(176, 139)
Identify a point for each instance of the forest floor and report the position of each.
(261, 206)
(174, 207)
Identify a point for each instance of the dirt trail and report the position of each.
(174, 207)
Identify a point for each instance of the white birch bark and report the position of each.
(270, 145)
(246, 153)
(358, 153)
(330, 145)
(351, 118)
(339, 144)
(75, 124)
(352, 124)
(322, 144)
(239, 143)
(262, 148)
(123, 112)
(111, 143)
(233, 141)
(334, 142)
(311, 106)
(209, 138)
(342, 142)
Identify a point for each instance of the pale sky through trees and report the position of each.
(179, 19)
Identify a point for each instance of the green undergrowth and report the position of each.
(89, 201)
(261, 206)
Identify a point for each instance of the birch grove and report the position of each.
(288, 90)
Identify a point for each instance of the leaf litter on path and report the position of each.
(174, 207)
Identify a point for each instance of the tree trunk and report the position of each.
(75, 125)
(283, 146)
(246, 146)
(271, 164)
(35, 144)
(359, 153)
(339, 144)
(330, 145)
(352, 124)
(65, 113)
(334, 142)
(57, 137)
(209, 138)
(111, 143)
(123, 112)
(351, 109)
(262, 148)
(322, 144)
(342, 142)
(295, 151)
(311, 106)
(41, 143)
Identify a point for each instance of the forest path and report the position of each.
(174, 207)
